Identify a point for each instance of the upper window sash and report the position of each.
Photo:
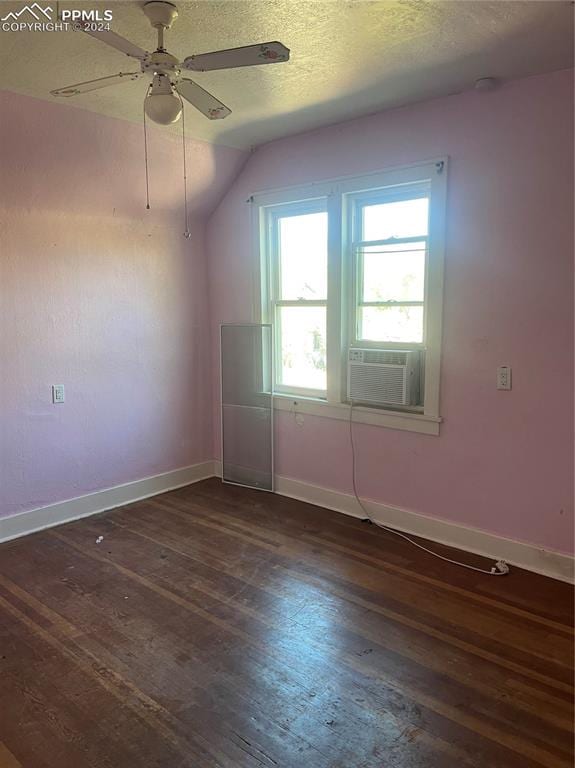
(268, 209)
(275, 214)
(357, 202)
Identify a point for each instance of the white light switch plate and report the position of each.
(58, 395)
(504, 377)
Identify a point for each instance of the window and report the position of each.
(298, 296)
(355, 263)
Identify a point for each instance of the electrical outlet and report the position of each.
(58, 395)
(504, 377)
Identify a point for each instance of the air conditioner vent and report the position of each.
(389, 358)
(383, 377)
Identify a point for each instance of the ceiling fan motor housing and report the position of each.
(162, 62)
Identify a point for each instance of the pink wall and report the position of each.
(103, 296)
(504, 460)
(111, 300)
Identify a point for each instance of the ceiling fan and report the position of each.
(162, 103)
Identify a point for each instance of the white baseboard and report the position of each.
(523, 555)
(546, 562)
(556, 565)
(65, 511)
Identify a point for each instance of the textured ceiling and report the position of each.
(347, 58)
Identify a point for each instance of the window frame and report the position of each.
(340, 196)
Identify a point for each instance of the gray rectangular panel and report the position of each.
(247, 408)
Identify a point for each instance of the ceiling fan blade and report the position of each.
(94, 85)
(118, 42)
(207, 104)
(247, 56)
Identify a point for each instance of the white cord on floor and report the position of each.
(499, 569)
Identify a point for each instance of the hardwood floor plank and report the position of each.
(236, 513)
(543, 600)
(487, 726)
(536, 663)
(460, 664)
(7, 759)
(315, 761)
(218, 626)
(49, 709)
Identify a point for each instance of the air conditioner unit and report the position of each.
(383, 377)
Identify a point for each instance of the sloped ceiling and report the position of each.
(347, 58)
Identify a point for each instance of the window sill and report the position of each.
(409, 422)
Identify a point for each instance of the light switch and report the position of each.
(504, 377)
(58, 395)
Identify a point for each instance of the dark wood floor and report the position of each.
(217, 626)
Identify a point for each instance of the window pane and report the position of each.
(394, 272)
(302, 353)
(400, 324)
(303, 256)
(403, 218)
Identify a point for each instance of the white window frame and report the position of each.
(341, 195)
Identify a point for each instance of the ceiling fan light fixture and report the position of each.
(163, 108)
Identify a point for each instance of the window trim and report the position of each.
(339, 192)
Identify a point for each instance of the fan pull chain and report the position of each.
(187, 233)
(146, 157)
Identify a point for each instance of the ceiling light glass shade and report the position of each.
(163, 108)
